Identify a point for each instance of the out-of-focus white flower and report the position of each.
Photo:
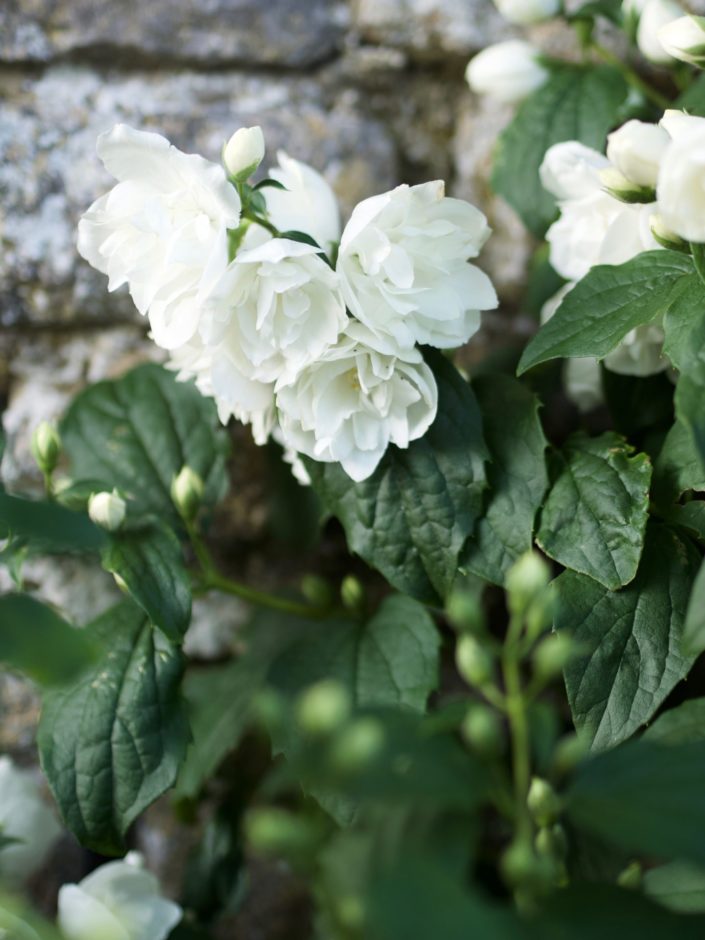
(679, 125)
(277, 308)
(308, 203)
(636, 149)
(244, 152)
(640, 352)
(684, 39)
(24, 816)
(633, 7)
(161, 230)
(404, 271)
(654, 16)
(525, 12)
(293, 458)
(118, 901)
(107, 510)
(570, 170)
(581, 376)
(352, 403)
(680, 193)
(507, 71)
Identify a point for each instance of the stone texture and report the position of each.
(275, 32)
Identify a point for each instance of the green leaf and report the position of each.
(693, 98)
(690, 395)
(630, 640)
(38, 642)
(137, 432)
(411, 518)
(679, 886)
(694, 630)
(516, 475)
(644, 797)
(595, 514)
(678, 468)
(391, 660)
(575, 104)
(684, 324)
(48, 527)
(113, 742)
(682, 725)
(690, 516)
(606, 304)
(150, 563)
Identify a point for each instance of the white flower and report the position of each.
(581, 376)
(680, 192)
(107, 510)
(640, 352)
(679, 125)
(636, 149)
(654, 16)
(684, 39)
(404, 271)
(351, 404)
(118, 901)
(293, 458)
(571, 170)
(161, 230)
(524, 12)
(26, 817)
(244, 152)
(308, 203)
(507, 71)
(277, 308)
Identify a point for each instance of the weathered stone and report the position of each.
(281, 32)
(49, 173)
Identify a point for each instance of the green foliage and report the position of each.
(594, 516)
(411, 518)
(112, 742)
(575, 104)
(46, 527)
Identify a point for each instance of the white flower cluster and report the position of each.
(325, 358)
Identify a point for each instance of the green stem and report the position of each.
(518, 726)
(632, 77)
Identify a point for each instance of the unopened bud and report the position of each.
(684, 39)
(276, 832)
(187, 493)
(323, 708)
(465, 613)
(357, 746)
(570, 750)
(107, 510)
(552, 841)
(350, 911)
(316, 590)
(540, 613)
(552, 655)
(521, 866)
(631, 876)
(244, 152)
(352, 592)
(665, 237)
(543, 802)
(482, 730)
(46, 447)
(527, 577)
(475, 663)
(617, 185)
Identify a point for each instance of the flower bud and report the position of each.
(525, 580)
(526, 12)
(617, 185)
(465, 612)
(274, 831)
(655, 15)
(507, 71)
(187, 493)
(475, 663)
(636, 150)
(357, 746)
(323, 707)
(684, 39)
(316, 590)
(107, 510)
(570, 750)
(521, 866)
(552, 655)
(352, 592)
(540, 613)
(665, 237)
(631, 876)
(46, 447)
(552, 841)
(244, 152)
(543, 802)
(482, 730)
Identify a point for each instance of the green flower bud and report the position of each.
(482, 730)
(107, 510)
(540, 613)
(552, 655)
(187, 493)
(474, 661)
(665, 237)
(352, 592)
(522, 867)
(631, 877)
(276, 832)
(46, 447)
(244, 152)
(570, 750)
(323, 708)
(465, 613)
(543, 802)
(356, 746)
(350, 912)
(316, 590)
(525, 580)
(617, 185)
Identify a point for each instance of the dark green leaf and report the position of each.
(38, 642)
(137, 432)
(678, 468)
(48, 527)
(690, 516)
(150, 563)
(595, 514)
(610, 9)
(630, 639)
(113, 742)
(575, 104)
(295, 236)
(694, 630)
(516, 475)
(411, 518)
(638, 405)
(610, 301)
(269, 184)
(679, 886)
(690, 395)
(681, 725)
(693, 98)
(684, 324)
